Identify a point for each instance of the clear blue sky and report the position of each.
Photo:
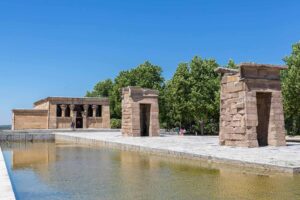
(63, 47)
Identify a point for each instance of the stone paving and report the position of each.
(6, 191)
(284, 159)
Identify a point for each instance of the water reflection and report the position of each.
(36, 154)
(67, 171)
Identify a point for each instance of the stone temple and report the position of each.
(251, 110)
(140, 112)
(59, 112)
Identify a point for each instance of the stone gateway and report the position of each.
(140, 112)
(62, 113)
(251, 110)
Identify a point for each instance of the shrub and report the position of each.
(115, 123)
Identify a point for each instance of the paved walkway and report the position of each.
(285, 159)
(6, 191)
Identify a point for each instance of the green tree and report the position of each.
(101, 89)
(291, 91)
(231, 64)
(145, 75)
(204, 96)
(177, 96)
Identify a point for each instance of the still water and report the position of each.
(52, 171)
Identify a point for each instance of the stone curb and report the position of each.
(6, 190)
(177, 154)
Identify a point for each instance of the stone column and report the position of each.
(72, 107)
(84, 115)
(94, 110)
(73, 114)
(63, 110)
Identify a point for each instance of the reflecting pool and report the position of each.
(66, 171)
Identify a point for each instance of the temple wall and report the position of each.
(30, 119)
(52, 116)
(63, 122)
(95, 122)
(127, 126)
(105, 117)
(232, 117)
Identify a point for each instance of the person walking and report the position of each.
(72, 125)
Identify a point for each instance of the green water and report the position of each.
(64, 171)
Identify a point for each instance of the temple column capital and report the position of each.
(72, 107)
(85, 107)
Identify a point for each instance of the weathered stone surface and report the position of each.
(134, 101)
(242, 115)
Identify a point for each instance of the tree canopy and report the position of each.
(231, 64)
(101, 89)
(291, 90)
(145, 75)
(177, 97)
(192, 96)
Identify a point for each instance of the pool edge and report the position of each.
(179, 154)
(6, 190)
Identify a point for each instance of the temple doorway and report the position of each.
(79, 122)
(145, 119)
(263, 114)
(79, 118)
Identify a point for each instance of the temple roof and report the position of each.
(73, 99)
(223, 70)
(136, 90)
(257, 65)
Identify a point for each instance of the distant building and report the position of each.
(60, 112)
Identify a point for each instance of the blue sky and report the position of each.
(63, 47)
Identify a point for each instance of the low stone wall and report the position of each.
(42, 135)
(25, 136)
